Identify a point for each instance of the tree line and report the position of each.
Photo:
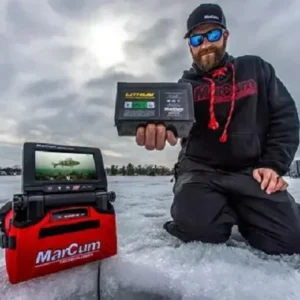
(113, 170)
(139, 170)
(14, 170)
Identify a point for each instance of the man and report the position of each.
(244, 139)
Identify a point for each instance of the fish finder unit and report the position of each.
(64, 216)
(62, 169)
(140, 104)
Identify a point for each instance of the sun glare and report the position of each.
(105, 42)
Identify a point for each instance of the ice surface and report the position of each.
(153, 265)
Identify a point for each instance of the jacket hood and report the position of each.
(226, 65)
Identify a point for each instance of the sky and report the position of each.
(60, 61)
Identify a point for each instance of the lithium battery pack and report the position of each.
(140, 104)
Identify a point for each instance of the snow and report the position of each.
(153, 265)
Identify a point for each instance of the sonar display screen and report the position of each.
(64, 166)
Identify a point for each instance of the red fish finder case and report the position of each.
(64, 216)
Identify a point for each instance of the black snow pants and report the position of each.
(208, 202)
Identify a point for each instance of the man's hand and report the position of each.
(155, 137)
(269, 180)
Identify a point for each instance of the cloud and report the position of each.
(112, 153)
(24, 23)
(7, 75)
(60, 63)
(44, 87)
(77, 9)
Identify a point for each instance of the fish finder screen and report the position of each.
(64, 166)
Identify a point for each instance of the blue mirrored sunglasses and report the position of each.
(213, 35)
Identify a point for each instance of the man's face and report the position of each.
(209, 54)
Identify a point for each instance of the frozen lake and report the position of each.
(153, 265)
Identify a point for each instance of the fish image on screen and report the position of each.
(64, 166)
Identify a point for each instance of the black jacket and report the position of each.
(245, 117)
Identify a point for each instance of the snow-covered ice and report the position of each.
(153, 265)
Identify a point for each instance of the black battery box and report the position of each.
(139, 104)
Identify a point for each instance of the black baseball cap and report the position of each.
(204, 14)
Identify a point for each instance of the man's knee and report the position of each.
(270, 223)
(284, 243)
(200, 214)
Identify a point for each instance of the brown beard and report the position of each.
(208, 63)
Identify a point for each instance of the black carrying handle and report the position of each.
(4, 210)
